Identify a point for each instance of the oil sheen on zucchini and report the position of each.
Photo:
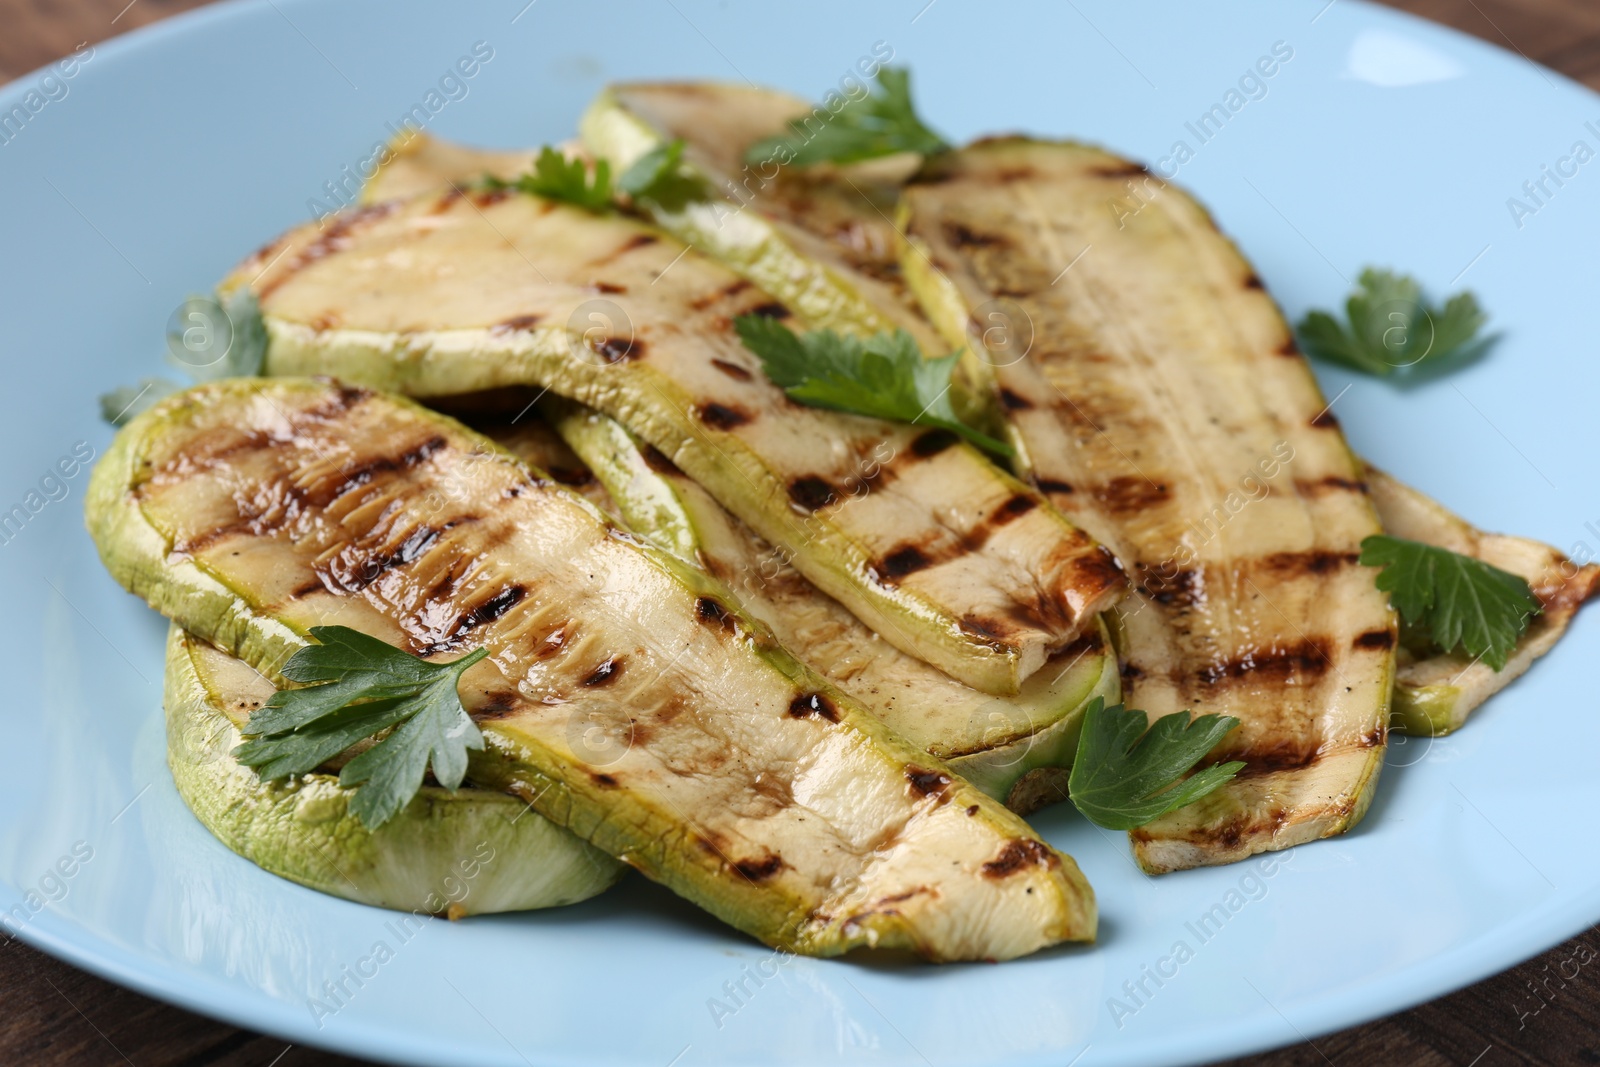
(1164, 407)
(1016, 749)
(455, 293)
(623, 697)
(469, 852)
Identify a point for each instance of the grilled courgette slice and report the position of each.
(457, 292)
(1164, 407)
(1016, 749)
(468, 852)
(767, 222)
(624, 698)
(418, 162)
(1435, 692)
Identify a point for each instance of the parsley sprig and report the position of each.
(1128, 772)
(221, 338)
(353, 687)
(659, 175)
(878, 124)
(1457, 601)
(555, 177)
(1392, 329)
(656, 175)
(885, 376)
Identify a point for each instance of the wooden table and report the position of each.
(52, 1015)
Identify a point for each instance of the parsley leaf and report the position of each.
(1459, 601)
(1392, 328)
(218, 339)
(878, 124)
(1125, 775)
(243, 340)
(352, 687)
(555, 177)
(884, 376)
(123, 403)
(657, 175)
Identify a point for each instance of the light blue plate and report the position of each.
(171, 153)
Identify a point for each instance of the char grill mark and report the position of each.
(490, 197)
(456, 633)
(905, 560)
(1275, 758)
(811, 493)
(1377, 640)
(1183, 588)
(926, 783)
(514, 324)
(932, 443)
(1017, 506)
(990, 632)
(657, 460)
(1128, 169)
(1019, 853)
(1318, 561)
(759, 870)
(605, 674)
(331, 241)
(571, 476)
(808, 704)
(353, 477)
(1130, 494)
(1306, 659)
(727, 292)
(963, 236)
(732, 370)
(618, 349)
(1014, 401)
(1333, 484)
(724, 417)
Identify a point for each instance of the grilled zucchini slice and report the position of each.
(468, 852)
(623, 697)
(1435, 692)
(1163, 391)
(421, 163)
(765, 222)
(1015, 749)
(457, 293)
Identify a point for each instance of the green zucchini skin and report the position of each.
(251, 510)
(467, 852)
(1016, 749)
(461, 293)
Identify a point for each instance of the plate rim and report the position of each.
(1363, 1001)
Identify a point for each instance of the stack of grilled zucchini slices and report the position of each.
(805, 669)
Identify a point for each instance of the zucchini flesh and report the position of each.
(421, 163)
(457, 293)
(1436, 691)
(1163, 391)
(1016, 749)
(469, 852)
(623, 698)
